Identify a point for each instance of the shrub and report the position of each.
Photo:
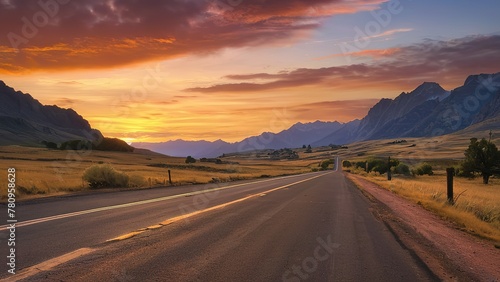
(325, 164)
(377, 165)
(424, 168)
(49, 145)
(402, 169)
(361, 165)
(76, 145)
(105, 176)
(190, 160)
(346, 164)
(137, 181)
(33, 190)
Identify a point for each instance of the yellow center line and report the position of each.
(72, 214)
(184, 216)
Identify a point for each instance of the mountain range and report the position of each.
(25, 121)
(299, 133)
(427, 111)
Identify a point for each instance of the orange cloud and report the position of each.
(373, 53)
(103, 34)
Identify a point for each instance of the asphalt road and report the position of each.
(313, 227)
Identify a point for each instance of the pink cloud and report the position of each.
(448, 62)
(103, 34)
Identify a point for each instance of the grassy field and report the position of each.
(42, 171)
(439, 150)
(477, 209)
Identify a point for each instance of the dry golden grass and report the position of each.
(40, 171)
(477, 210)
(449, 147)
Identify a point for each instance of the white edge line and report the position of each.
(180, 217)
(72, 214)
(54, 262)
(48, 264)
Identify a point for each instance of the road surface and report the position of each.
(312, 227)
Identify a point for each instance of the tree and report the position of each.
(482, 157)
(346, 163)
(77, 145)
(309, 149)
(49, 145)
(190, 160)
(113, 144)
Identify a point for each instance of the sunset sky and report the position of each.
(226, 69)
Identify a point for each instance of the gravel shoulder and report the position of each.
(451, 254)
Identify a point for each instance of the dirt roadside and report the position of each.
(451, 254)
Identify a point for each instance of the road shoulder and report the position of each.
(451, 254)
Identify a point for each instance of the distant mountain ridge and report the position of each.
(427, 111)
(298, 135)
(25, 121)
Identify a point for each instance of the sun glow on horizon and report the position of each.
(185, 74)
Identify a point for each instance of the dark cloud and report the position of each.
(99, 34)
(449, 61)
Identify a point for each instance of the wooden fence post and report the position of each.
(449, 179)
(389, 176)
(169, 178)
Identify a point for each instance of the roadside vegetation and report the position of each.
(324, 165)
(476, 208)
(418, 172)
(105, 144)
(105, 176)
(476, 211)
(42, 172)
